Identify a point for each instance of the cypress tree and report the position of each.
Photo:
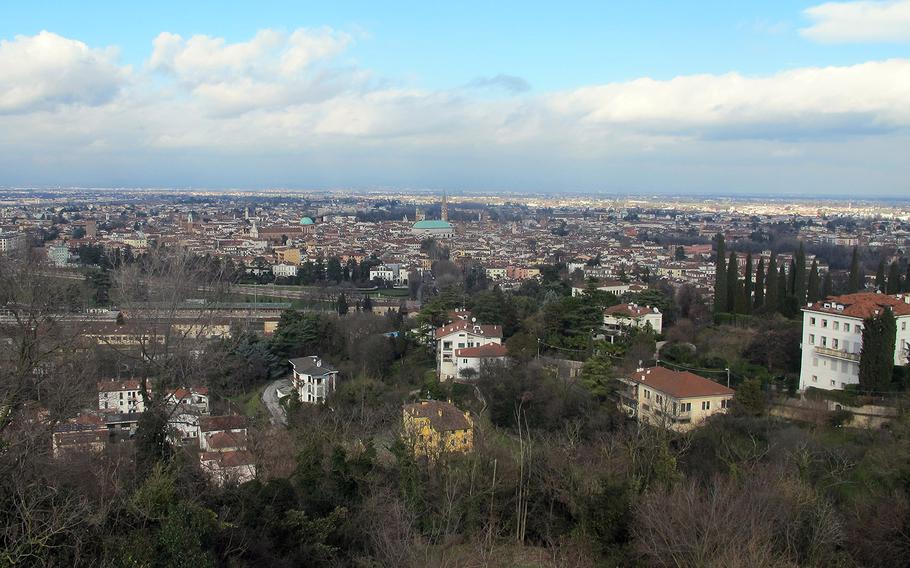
(876, 361)
(894, 278)
(856, 279)
(799, 279)
(880, 276)
(906, 287)
(747, 285)
(759, 285)
(732, 279)
(791, 280)
(827, 285)
(772, 296)
(782, 297)
(720, 275)
(813, 285)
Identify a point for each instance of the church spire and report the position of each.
(445, 207)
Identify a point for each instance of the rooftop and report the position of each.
(862, 304)
(679, 384)
(312, 365)
(432, 224)
(443, 416)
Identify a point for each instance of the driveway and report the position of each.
(277, 415)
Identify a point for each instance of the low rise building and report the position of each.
(120, 396)
(468, 361)
(313, 380)
(677, 400)
(620, 318)
(461, 335)
(433, 428)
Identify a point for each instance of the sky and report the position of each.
(648, 97)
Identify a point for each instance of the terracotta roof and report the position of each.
(115, 386)
(214, 423)
(862, 304)
(475, 329)
(228, 459)
(488, 350)
(443, 416)
(628, 310)
(679, 384)
(222, 440)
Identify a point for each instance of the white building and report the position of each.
(11, 242)
(313, 380)
(618, 319)
(58, 255)
(393, 273)
(284, 270)
(617, 287)
(832, 337)
(120, 396)
(461, 335)
(473, 357)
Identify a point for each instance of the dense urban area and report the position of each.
(282, 378)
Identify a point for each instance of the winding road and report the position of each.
(277, 416)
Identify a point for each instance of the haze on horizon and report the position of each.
(740, 98)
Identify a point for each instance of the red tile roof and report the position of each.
(228, 459)
(214, 423)
(484, 351)
(863, 304)
(476, 329)
(222, 440)
(115, 386)
(628, 310)
(679, 384)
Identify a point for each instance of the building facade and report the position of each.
(461, 335)
(432, 428)
(832, 339)
(676, 400)
(313, 380)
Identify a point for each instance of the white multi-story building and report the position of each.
(617, 287)
(461, 335)
(313, 380)
(59, 255)
(832, 337)
(394, 273)
(473, 357)
(120, 396)
(284, 270)
(11, 242)
(619, 318)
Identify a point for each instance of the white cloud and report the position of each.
(864, 21)
(46, 70)
(270, 70)
(799, 102)
(282, 108)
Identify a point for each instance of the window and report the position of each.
(811, 321)
(824, 323)
(837, 325)
(687, 407)
(446, 344)
(725, 403)
(706, 405)
(647, 393)
(834, 342)
(461, 345)
(833, 383)
(811, 339)
(814, 378)
(846, 327)
(824, 341)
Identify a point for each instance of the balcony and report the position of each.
(837, 354)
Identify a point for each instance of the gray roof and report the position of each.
(307, 366)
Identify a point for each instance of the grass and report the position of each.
(251, 402)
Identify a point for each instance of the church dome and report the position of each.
(306, 221)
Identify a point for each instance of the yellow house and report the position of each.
(434, 428)
(290, 255)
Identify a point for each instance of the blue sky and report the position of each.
(586, 96)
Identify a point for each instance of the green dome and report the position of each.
(432, 225)
(306, 221)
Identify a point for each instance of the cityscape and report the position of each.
(285, 293)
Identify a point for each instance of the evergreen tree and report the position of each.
(876, 362)
(827, 285)
(740, 301)
(880, 276)
(732, 279)
(813, 283)
(720, 275)
(772, 297)
(342, 304)
(856, 279)
(747, 285)
(367, 304)
(799, 277)
(759, 285)
(894, 278)
(333, 270)
(782, 296)
(906, 287)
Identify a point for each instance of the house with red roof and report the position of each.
(832, 338)
(620, 318)
(469, 360)
(458, 335)
(676, 400)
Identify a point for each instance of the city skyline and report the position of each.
(771, 98)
